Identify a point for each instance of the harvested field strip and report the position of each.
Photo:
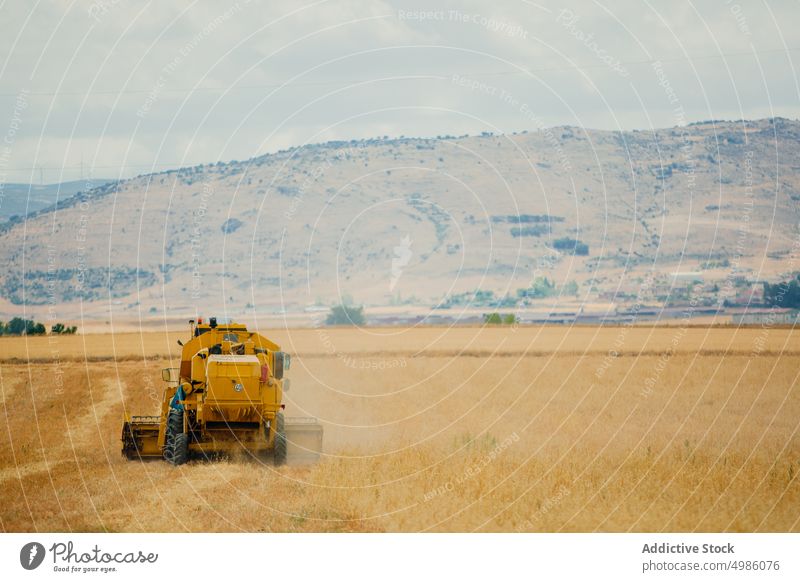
(443, 354)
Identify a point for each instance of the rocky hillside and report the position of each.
(420, 220)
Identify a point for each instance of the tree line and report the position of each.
(20, 326)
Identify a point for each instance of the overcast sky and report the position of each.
(121, 87)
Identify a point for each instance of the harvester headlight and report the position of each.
(238, 387)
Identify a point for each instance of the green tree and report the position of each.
(492, 318)
(540, 288)
(571, 246)
(17, 326)
(346, 315)
(62, 329)
(510, 319)
(783, 294)
(570, 288)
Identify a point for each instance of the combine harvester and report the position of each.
(226, 398)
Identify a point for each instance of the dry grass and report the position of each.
(534, 429)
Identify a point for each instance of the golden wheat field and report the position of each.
(430, 429)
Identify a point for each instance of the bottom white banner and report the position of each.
(353, 557)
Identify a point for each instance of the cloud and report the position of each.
(120, 83)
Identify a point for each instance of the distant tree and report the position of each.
(499, 319)
(492, 318)
(541, 287)
(346, 315)
(16, 326)
(19, 326)
(570, 288)
(783, 294)
(571, 245)
(231, 225)
(537, 230)
(61, 329)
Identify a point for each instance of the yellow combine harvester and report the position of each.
(225, 398)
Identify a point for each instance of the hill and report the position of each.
(598, 213)
(19, 200)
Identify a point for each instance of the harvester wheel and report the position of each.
(168, 451)
(173, 447)
(279, 450)
(180, 449)
(175, 421)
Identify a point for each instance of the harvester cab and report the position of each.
(226, 397)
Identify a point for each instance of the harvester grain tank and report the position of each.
(226, 398)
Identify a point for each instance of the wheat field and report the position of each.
(428, 429)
